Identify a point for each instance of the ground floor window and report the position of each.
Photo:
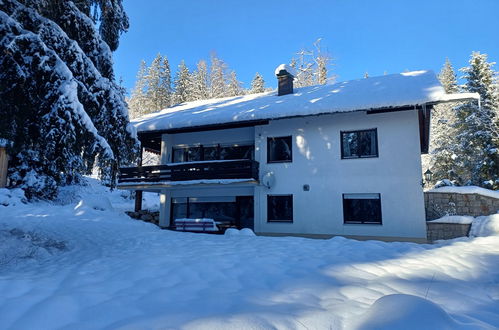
(280, 208)
(230, 211)
(362, 208)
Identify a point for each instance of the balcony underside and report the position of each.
(233, 172)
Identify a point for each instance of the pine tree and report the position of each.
(182, 84)
(234, 87)
(200, 90)
(443, 138)
(217, 77)
(478, 152)
(153, 82)
(70, 112)
(138, 103)
(165, 85)
(257, 84)
(108, 15)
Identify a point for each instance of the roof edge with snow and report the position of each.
(384, 93)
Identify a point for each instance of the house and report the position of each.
(340, 159)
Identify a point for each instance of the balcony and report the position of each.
(192, 171)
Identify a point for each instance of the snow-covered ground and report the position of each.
(84, 264)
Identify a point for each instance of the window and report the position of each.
(362, 208)
(359, 144)
(179, 155)
(280, 208)
(213, 152)
(237, 152)
(190, 154)
(225, 210)
(221, 209)
(279, 149)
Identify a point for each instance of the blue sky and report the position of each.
(361, 36)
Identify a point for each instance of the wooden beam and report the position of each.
(138, 193)
(424, 116)
(3, 167)
(138, 200)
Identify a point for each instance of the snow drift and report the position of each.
(101, 269)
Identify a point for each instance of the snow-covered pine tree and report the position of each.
(200, 89)
(218, 83)
(234, 87)
(158, 84)
(138, 103)
(182, 84)
(153, 82)
(478, 149)
(108, 15)
(109, 114)
(443, 133)
(62, 112)
(257, 84)
(165, 85)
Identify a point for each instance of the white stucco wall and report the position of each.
(395, 174)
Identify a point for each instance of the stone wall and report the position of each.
(145, 215)
(437, 230)
(439, 204)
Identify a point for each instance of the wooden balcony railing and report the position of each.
(227, 169)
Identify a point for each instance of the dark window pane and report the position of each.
(220, 209)
(226, 153)
(194, 154)
(179, 155)
(237, 152)
(362, 208)
(279, 149)
(367, 143)
(280, 208)
(179, 208)
(245, 210)
(349, 140)
(358, 144)
(211, 153)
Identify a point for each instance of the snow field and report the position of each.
(115, 272)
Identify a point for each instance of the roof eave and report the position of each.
(457, 97)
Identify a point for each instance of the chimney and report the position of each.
(285, 76)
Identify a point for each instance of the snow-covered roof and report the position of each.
(388, 91)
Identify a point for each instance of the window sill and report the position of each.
(279, 221)
(361, 157)
(363, 223)
(279, 161)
